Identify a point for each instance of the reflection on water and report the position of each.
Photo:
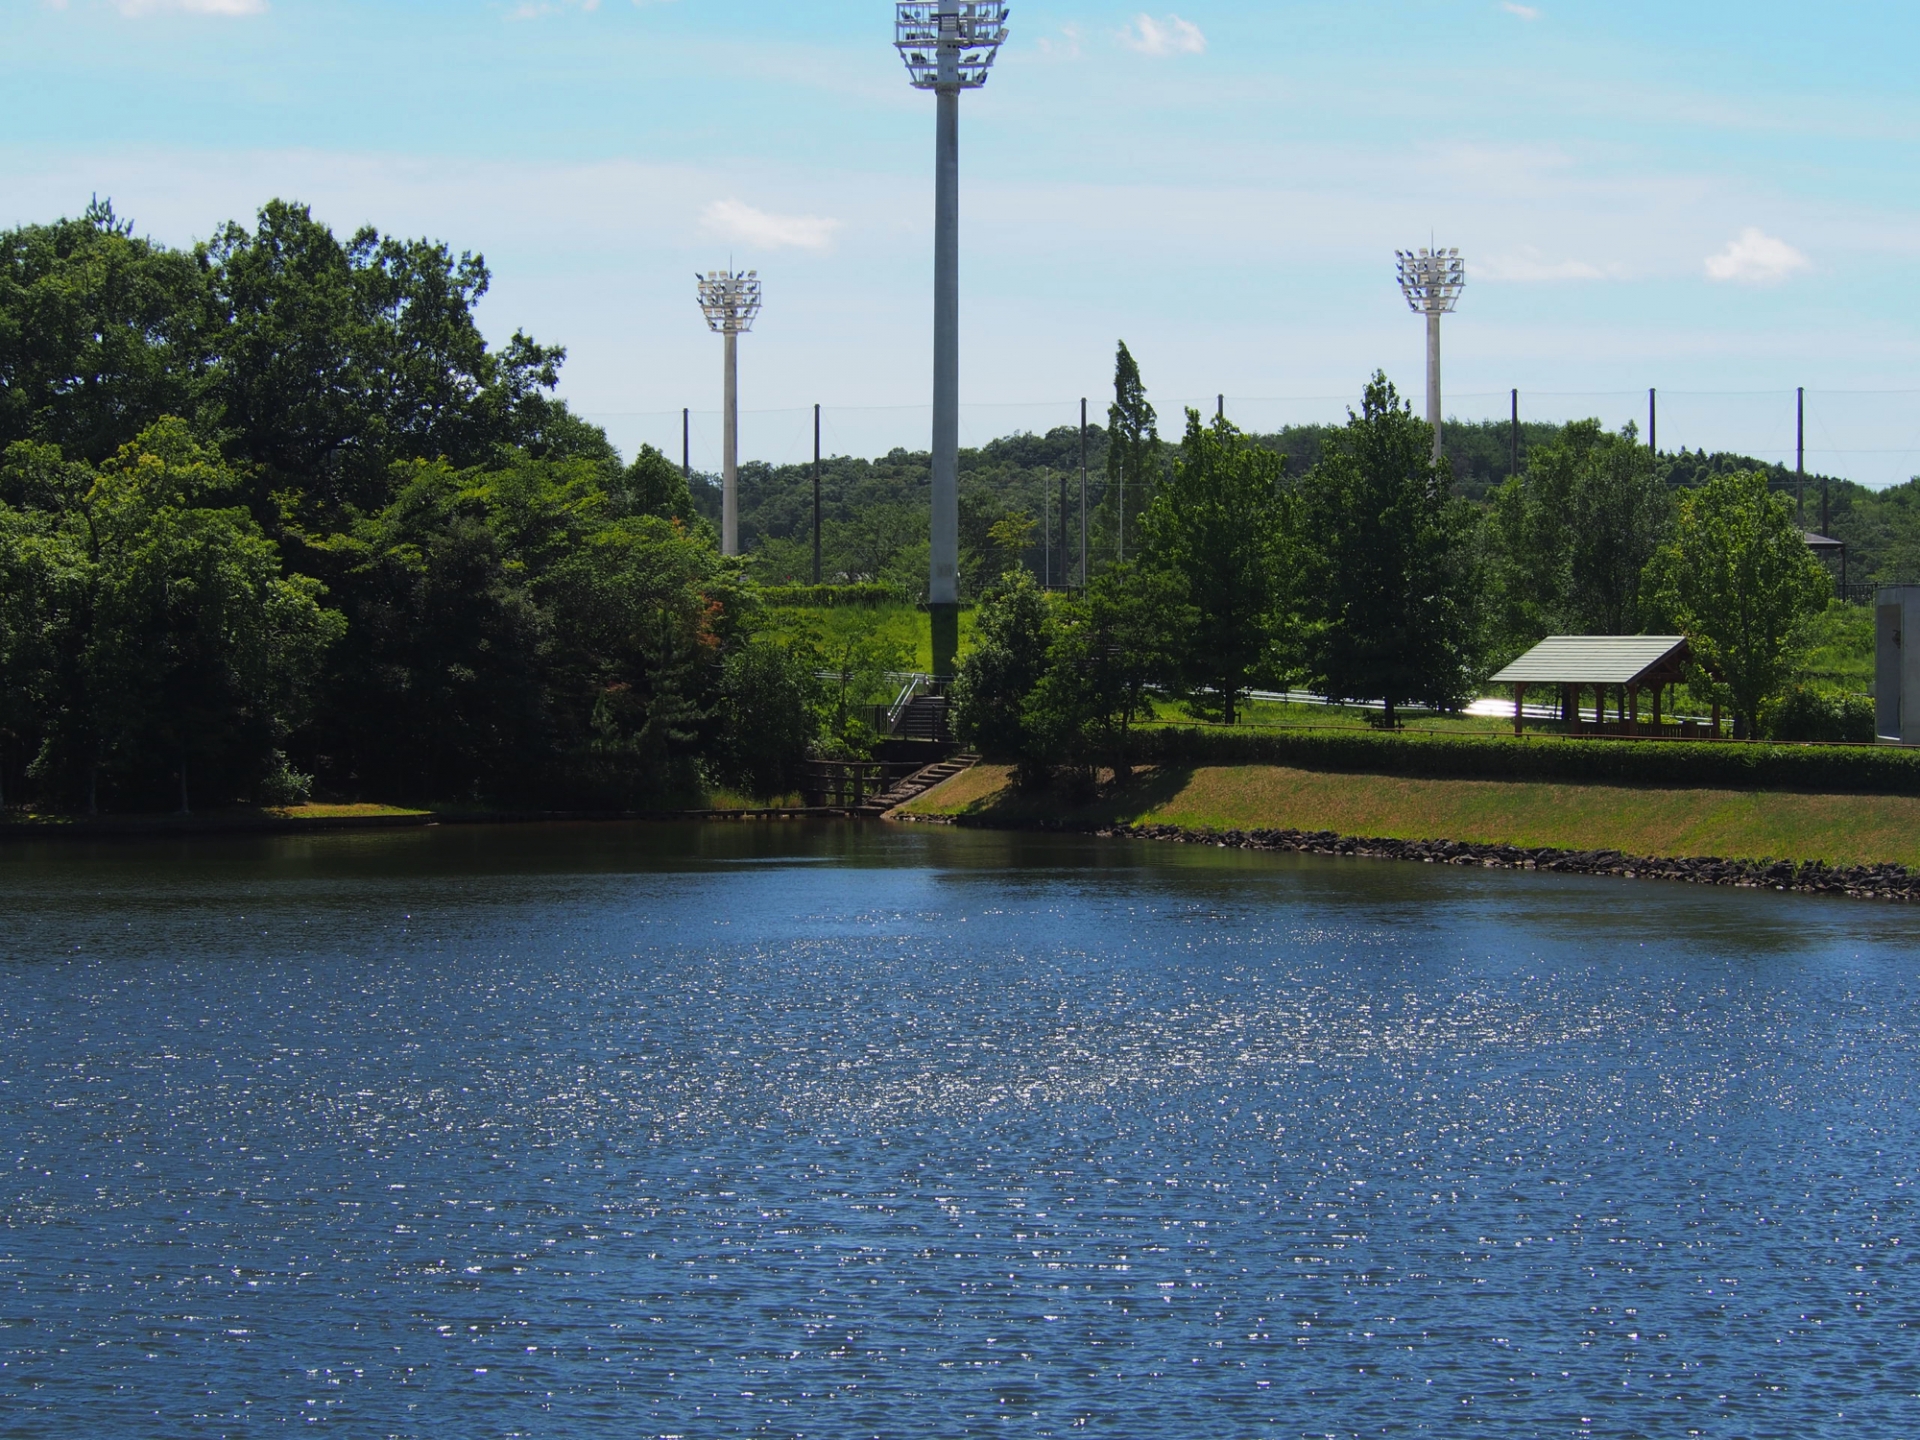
(777, 1130)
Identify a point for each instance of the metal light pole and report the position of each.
(1432, 280)
(730, 298)
(948, 46)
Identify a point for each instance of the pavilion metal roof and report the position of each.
(1595, 660)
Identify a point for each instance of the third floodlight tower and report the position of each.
(948, 45)
(1432, 280)
(731, 298)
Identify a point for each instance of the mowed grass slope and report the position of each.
(1732, 824)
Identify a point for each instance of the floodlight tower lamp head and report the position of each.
(1431, 279)
(949, 44)
(731, 300)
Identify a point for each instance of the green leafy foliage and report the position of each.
(155, 642)
(1809, 712)
(1388, 590)
(1571, 536)
(1112, 649)
(1752, 766)
(767, 718)
(1738, 579)
(1218, 528)
(1013, 638)
(372, 550)
(1134, 460)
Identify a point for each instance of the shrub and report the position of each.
(870, 592)
(1808, 713)
(1724, 765)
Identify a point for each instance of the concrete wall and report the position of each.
(1896, 664)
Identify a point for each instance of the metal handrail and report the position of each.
(907, 692)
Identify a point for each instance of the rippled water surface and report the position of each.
(743, 1131)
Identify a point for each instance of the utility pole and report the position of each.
(947, 46)
(816, 494)
(1513, 437)
(1083, 492)
(686, 445)
(1800, 456)
(1432, 281)
(730, 298)
(1219, 407)
(1653, 422)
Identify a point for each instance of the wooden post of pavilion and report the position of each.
(1519, 700)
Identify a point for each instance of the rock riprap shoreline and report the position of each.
(1809, 877)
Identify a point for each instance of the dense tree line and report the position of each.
(274, 515)
(875, 512)
(1369, 577)
(271, 509)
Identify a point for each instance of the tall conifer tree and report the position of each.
(1133, 459)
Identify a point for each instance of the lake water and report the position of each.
(782, 1130)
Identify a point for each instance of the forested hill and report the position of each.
(875, 512)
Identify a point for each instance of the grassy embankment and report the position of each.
(1732, 824)
(900, 628)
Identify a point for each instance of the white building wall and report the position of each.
(1896, 668)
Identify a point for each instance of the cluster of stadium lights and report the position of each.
(1432, 281)
(731, 299)
(949, 46)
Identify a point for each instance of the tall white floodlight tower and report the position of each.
(948, 45)
(1432, 281)
(731, 298)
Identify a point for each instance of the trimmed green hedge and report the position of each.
(1721, 765)
(826, 596)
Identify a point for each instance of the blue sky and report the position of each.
(1715, 199)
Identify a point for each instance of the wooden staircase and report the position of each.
(917, 784)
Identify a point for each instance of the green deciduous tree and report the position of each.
(181, 655)
(1218, 527)
(654, 485)
(768, 717)
(1387, 589)
(1736, 576)
(513, 633)
(1112, 649)
(1570, 537)
(1013, 634)
(100, 334)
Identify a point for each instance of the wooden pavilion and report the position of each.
(1621, 665)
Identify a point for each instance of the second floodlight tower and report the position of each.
(1432, 281)
(730, 298)
(948, 46)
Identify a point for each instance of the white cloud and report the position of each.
(192, 7)
(1756, 258)
(1527, 266)
(734, 221)
(1525, 12)
(1066, 46)
(1172, 36)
